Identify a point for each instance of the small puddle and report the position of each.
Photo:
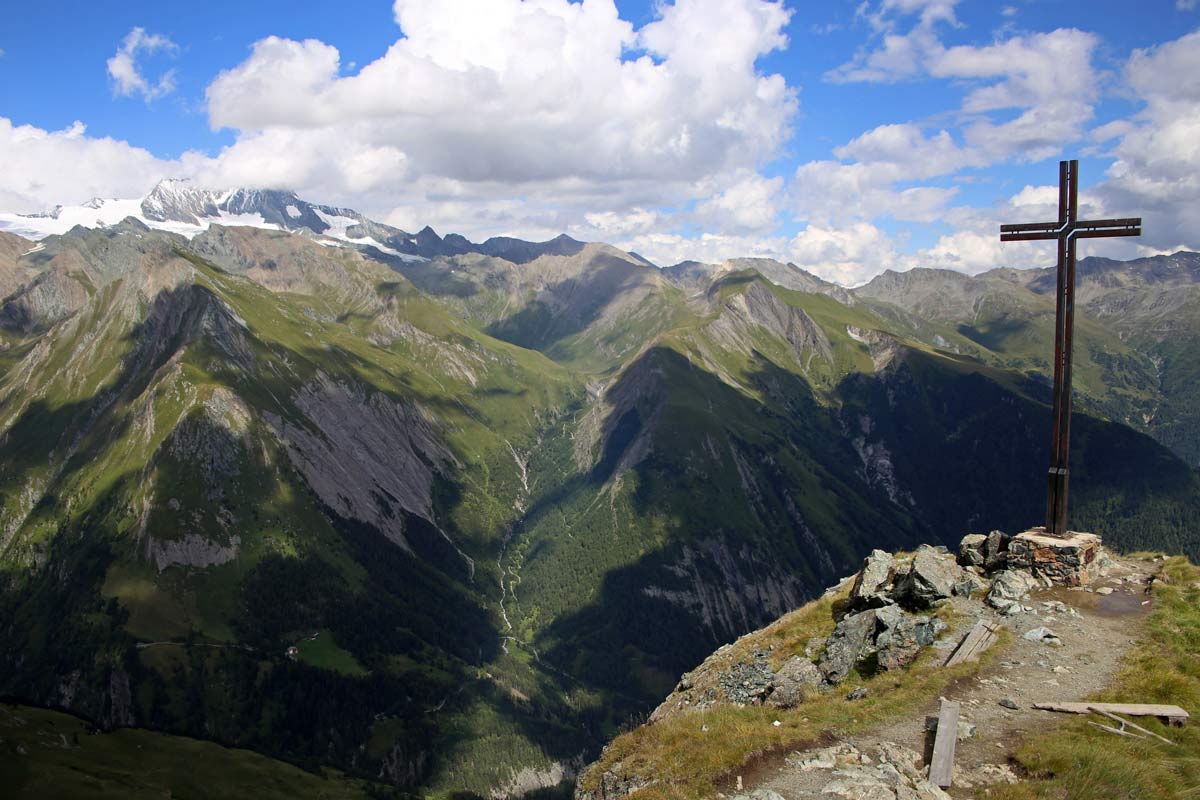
(1126, 600)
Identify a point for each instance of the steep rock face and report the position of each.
(49, 298)
(369, 457)
(13, 272)
(758, 306)
(746, 590)
(190, 550)
(179, 201)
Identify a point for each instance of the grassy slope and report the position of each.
(47, 754)
(691, 755)
(1084, 763)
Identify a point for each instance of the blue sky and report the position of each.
(846, 137)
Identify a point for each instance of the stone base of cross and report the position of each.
(1073, 559)
(1066, 229)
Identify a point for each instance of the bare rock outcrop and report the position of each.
(931, 577)
(366, 455)
(874, 580)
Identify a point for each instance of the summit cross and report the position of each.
(1066, 229)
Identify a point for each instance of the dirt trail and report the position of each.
(1094, 640)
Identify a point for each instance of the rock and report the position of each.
(858, 786)
(996, 553)
(1009, 586)
(968, 586)
(794, 681)
(1008, 702)
(903, 759)
(759, 794)
(1043, 635)
(1104, 590)
(965, 731)
(873, 581)
(846, 643)
(972, 550)
(931, 577)
(900, 645)
(750, 681)
(857, 694)
(994, 773)
(814, 646)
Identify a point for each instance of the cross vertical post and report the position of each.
(1066, 230)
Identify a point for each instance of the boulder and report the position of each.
(972, 550)
(846, 644)
(930, 578)
(793, 682)
(899, 645)
(996, 551)
(1008, 587)
(874, 580)
(968, 586)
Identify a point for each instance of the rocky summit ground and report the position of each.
(1095, 626)
(839, 699)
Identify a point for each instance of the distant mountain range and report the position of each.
(444, 515)
(177, 206)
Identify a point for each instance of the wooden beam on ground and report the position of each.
(941, 766)
(1172, 714)
(979, 639)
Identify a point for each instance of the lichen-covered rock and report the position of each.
(968, 586)
(750, 681)
(1008, 587)
(873, 580)
(899, 645)
(972, 550)
(793, 682)
(845, 645)
(930, 578)
(996, 551)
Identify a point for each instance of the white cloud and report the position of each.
(747, 205)
(41, 168)
(898, 55)
(848, 255)
(1157, 171)
(547, 100)
(127, 78)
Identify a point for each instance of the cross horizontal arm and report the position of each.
(1028, 237)
(1031, 227)
(1087, 229)
(1100, 228)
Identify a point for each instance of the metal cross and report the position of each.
(1066, 229)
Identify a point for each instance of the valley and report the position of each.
(513, 489)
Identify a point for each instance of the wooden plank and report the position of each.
(979, 639)
(941, 766)
(1170, 713)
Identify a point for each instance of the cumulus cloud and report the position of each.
(545, 98)
(1157, 171)
(42, 167)
(128, 79)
